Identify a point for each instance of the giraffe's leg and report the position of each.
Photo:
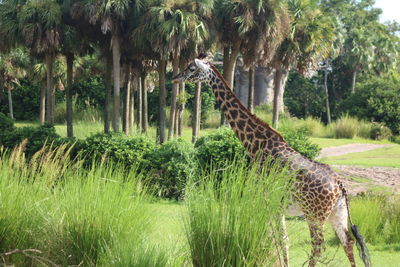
(285, 240)
(317, 241)
(338, 219)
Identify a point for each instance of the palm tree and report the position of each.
(112, 17)
(169, 27)
(310, 40)
(12, 68)
(39, 23)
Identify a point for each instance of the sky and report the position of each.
(390, 8)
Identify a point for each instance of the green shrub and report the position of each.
(300, 142)
(346, 127)
(6, 123)
(219, 148)
(233, 217)
(377, 99)
(36, 137)
(378, 218)
(364, 129)
(75, 221)
(380, 131)
(117, 147)
(171, 165)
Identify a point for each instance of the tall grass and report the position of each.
(233, 216)
(378, 217)
(71, 215)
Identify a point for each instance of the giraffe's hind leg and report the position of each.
(317, 241)
(339, 221)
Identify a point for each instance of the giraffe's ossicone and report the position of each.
(318, 190)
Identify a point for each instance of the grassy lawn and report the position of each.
(384, 157)
(330, 142)
(169, 233)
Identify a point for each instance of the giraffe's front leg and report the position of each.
(317, 241)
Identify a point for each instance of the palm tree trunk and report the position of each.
(250, 104)
(127, 101)
(131, 109)
(176, 123)
(107, 103)
(70, 64)
(49, 98)
(277, 93)
(175, 86)
(229, 60)
(181, 106)
(162, 100)
(116, 55)
(139, 116)
(328, 110)
(145, 120)
(42, 111)
(353, 82)
(197, 112)
(10, 103)
(285, 75)
(264, 87)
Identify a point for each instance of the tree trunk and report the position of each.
(107, 103)
(285, 74)
(116, 55)
(229, 60)
(162, 100)
(277, 93)
(49, 97)
(328, 110)
(42, 111)
(10, 103)
(353, 82)
(139, 116)
(250, 104)
(145, 114)
(127, 105)
(132, 102)
(264, 86)
(197, 112)
(68, 91)
(181, 106)
(175, 87)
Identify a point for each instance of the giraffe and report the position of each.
(317, 189)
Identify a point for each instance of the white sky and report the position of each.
(390, 8)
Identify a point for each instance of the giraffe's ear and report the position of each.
(200, 64)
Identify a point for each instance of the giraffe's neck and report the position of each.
(254, 134)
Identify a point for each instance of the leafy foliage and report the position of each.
(171, 165)
(300, 142)
(378, 99)
(219, 148)
(117, 148)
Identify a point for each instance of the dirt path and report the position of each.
(362, 179)
(350, 148)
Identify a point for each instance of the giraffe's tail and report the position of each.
(361, 246)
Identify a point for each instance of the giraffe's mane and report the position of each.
(257, 119)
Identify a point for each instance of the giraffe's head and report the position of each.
(197, 71)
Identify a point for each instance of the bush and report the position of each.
(380, 131)
(346, 127)
(378, 100)
(378, 218)
(219, 148)
(6, 123)
(76, 221)
(300, 142)
(36, 137)
(170, 166)
(117, 147)
(233, 217)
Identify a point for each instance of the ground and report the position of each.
(371, 173)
